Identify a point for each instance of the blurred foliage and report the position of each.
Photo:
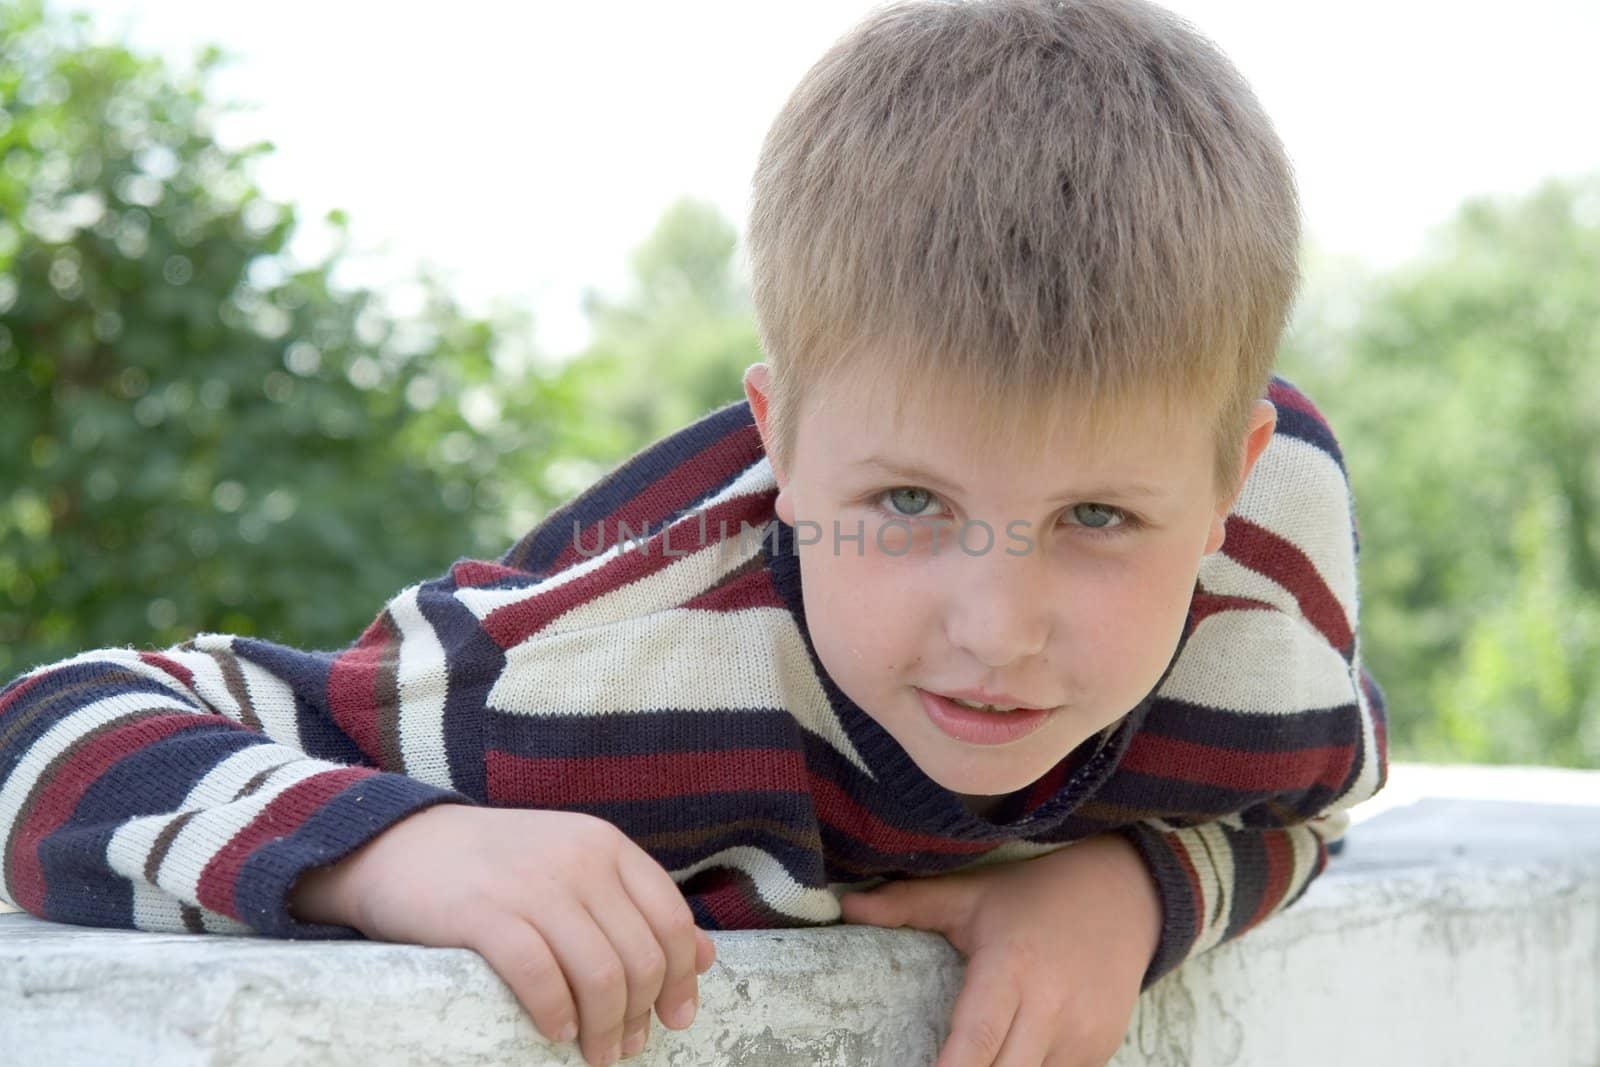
(194, 435)
(1466, 390)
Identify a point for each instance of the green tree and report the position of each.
(671, 349)
(1466, 388)
(196, 434)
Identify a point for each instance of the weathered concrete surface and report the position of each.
(1451, 930)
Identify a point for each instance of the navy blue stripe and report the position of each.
(1250, 877)
(306, 673)
(1239, 731)
(1298, 424)
(1134, 790)
(348, 820)
(474, 663)
(647, 733)
(538, 550)
(114, 679)
(151, 781)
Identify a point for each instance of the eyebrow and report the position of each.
(1093, 492)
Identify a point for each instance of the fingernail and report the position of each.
(613, 1054)
(681, 1014)
(568, 1033)
(634, 1044)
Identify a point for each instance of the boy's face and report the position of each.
(1067, 592)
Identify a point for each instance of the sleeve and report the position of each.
(188, 789)
(1267, 729)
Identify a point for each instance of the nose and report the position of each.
(999, 608)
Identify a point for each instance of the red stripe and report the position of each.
(1280, 865)
(55, 801)
(751, 590)
(511, 625)
(1266, 772)
(681, 486)
(172, 667)
(733, 902)
(471, 573)
(353, 688)
(283, 815)
(1205, 605)
(840, 812)
(16, 694)
(1265, 552)
(560, 783)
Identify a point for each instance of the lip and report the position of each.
(982, 727)
(980, 696)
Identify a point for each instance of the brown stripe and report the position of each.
(237, 687)
(24, 718)
(255, 783)
(386, 691)
(1108, 813)
(169, 833)
(191, 920)
(163, 842)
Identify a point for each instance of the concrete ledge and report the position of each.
(1461, 925)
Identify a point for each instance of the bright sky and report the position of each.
(525, 148)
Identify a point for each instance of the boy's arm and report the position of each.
(188, 789)
(1268, 729)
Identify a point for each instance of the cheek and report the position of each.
(1128, 638)
(858, 609)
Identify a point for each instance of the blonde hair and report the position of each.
(1025, 200)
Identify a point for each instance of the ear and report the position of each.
(1263, 422)
(758, 390)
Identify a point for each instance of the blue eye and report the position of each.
(919, 499)
(1097, 516)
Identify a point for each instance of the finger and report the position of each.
(925, 905)
(705, 952)
(661, 903)
(594, 973)
(635, 1035)
(644, 963)
(987, 1004)
(1031, 1036)
(517, 952)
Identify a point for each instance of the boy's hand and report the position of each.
(1056, 949)
(583, 925)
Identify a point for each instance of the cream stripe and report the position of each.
(683, 579)
(122, 657)
(210, 830)
(659, 662)
(1284, 668)
(1213, 859)
(1366, 783)
(773, 884)
(1298, 492)
(271, 696)
(209, 684)
(1221, 575)
(129, 848)
(423, 680)
(755, 479)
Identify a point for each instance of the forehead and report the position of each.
(926, 420)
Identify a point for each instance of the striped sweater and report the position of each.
(642, 655)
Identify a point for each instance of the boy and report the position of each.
(1003, 552)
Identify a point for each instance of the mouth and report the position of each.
(986, 725)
